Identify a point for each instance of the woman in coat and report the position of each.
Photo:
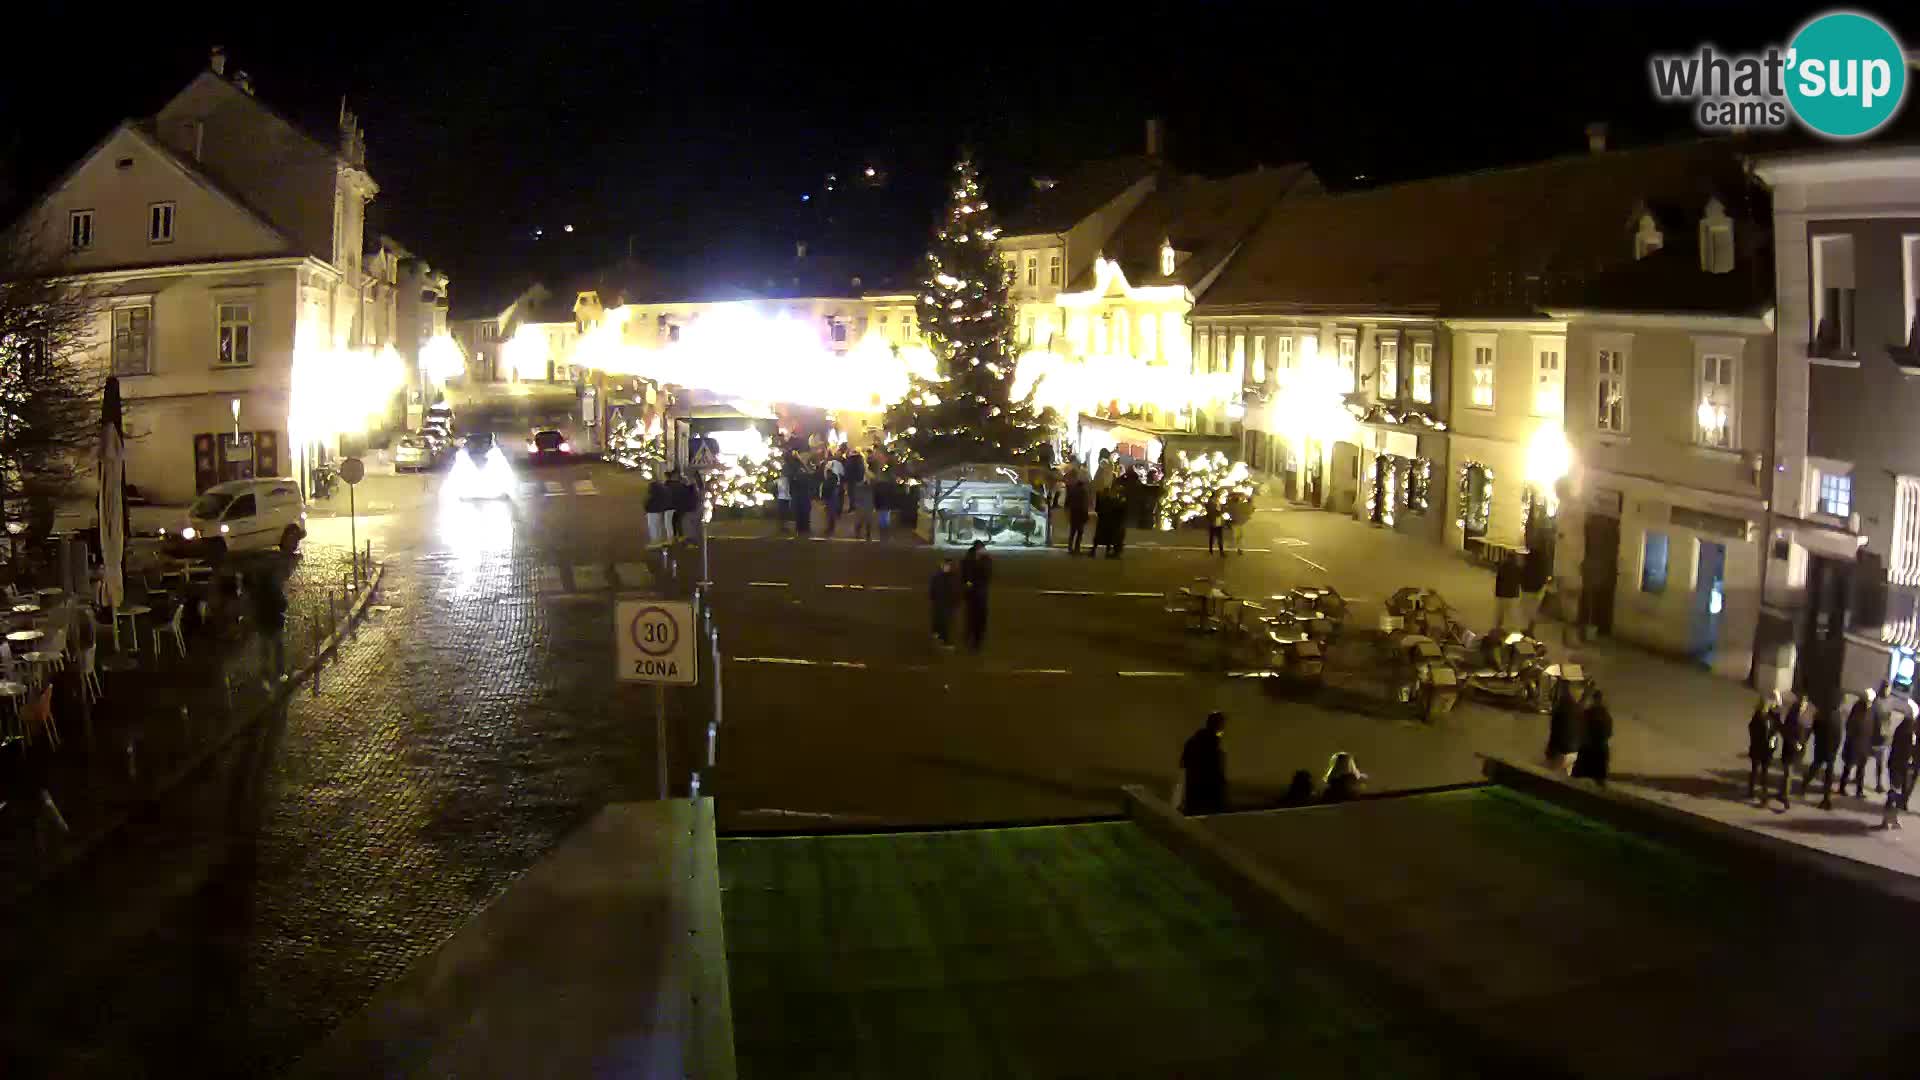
(1595, 753)
(1760, 732)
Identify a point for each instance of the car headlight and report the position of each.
(224, 530)
(188, 533)
(566, 448)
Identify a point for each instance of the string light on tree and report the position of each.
(1201, 485)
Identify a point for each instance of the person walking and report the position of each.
(830, 480)
(1239, 516)
(1760, 735)
(1827, 730)
(1079, 504)
(270, 623)
(1344, 779)
(1882, 714)
(1597, 733)
(976, 573)
(686, 506)
(1506, 589)
(1216, 528)
(1203, 767)
(1794, 727)
(863, 510)
(886, 494)
(1856, 748)
(943, 596)
(783, 502)
(660, 509)
(1536, 569)
(1563, 730)
(802, 483)
(1900, 770)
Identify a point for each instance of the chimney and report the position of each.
(1156, 138)
(1597, 137)
(244, 81)
(218, 62)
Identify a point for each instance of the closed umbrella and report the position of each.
(111, 459)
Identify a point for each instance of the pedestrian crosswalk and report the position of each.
(553, 580)
(551, 488)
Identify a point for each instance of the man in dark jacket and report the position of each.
(1793, 742)
(1563, 730)
(1858, 746)
(801, 488)
(1900, 770)
(1204, 762)
(1506, 590)
(976, 573)
(1079, 505)
(1766, 717)
(1536, 568)
(270, 622)
(943, 595)
(1596, 753)
(1827, 730)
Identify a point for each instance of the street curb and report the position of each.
(164, 786)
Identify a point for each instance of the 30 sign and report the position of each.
(654, 642)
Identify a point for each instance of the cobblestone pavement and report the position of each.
(474, 721)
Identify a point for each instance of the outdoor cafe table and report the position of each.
(131, 613)
(13, 692)
(1210, 599)
(20, 637)
(25, 608)
(50, 590)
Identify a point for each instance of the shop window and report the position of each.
(1653, 563)
(1421, 377)
(1836, 494)
(1388, 388)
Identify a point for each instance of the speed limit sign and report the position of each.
(654, 642)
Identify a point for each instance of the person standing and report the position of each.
(830, 480)
(1344, 779)
(1900, 770)
(1239, 516)
(1216, 527)
(1827, 729)
(1883, 707)
(1595, 752)
(1506, 589)
(886, 492)
(1203, 766)
(1563, 730)
(976, 574)
(659, 509)
(943, 596)
(270, 623)
(803, 488)
(1857, 746)
(1079, 503)
(1536, 569)
(686, 506)
(863, 512)
(1760, 732)
(783, 501)
(1793, 742)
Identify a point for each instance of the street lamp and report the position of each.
(235, 404)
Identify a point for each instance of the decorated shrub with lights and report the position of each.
(1199, 485)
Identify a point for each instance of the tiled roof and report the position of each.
(1205, 219)
(1074, 196)
(1503, 242)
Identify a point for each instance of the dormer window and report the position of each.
(1647, 237)
(1166, 258)
(1716, 239)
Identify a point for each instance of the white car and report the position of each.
(242, 515)
(416, 452)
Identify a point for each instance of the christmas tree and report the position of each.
(1201, 485)
(735, 484)
(968, 413)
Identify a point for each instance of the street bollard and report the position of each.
(53, 810)
(713, 735)
(333, 620)
(186, 724)
(693, 791)
(133, 762)
(227, 681)
(316, 656)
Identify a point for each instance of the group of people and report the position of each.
(962, 586)
(1115, 494)
(1874, 730)
(846, 482)
(1202, 786)
(1580, 734)
(673, 507)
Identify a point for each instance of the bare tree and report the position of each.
(49, 384)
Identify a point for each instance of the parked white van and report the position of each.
(243, 515)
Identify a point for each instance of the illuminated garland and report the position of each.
(735, 483)
(1468, 518)
(630, 447)
(1381, 493)
(1419, 485)
(1384, 414)
(1201, 485)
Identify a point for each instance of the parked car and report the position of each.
(416, 452)
(547, 444)
(242, 515)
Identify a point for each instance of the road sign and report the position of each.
(353, 470)
(655, 642)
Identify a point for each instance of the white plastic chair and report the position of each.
(173, 628)
(90, 673)
(57, 649)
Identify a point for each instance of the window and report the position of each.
(1549, 389)
(1833, 294)
(1283, 353)
(236, 335)
(1836, 494)
(1053, 268)
(1033, 270)
(1910, 265)
(1237, 360)
(1102, 334)
(839, 330)
(1149, 337)
(1610, 370)
(1174, 337)
(1013, 269)
(242, 507)
(1220, 351)
(1422, 374)
(1714, 417)
(80, 230)
(1483, 368)
(1260, 360)
(160, 223)
(1388, 385)
(1716, 239)
(1647, 239)
(1903, 564)
(1347, 347)
(132, 340)
(1653, 563)
(1166, 260)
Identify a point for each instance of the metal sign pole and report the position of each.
(660, 733)
(353, 535)
(713, 636)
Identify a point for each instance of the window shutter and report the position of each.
(206, 465)
(266, 453)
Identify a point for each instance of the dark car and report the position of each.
(546, 444)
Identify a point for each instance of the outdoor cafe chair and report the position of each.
(173, 629)
(90, 673)
(39, 716)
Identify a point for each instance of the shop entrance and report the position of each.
(1600, 571)
(1709, 598)
(219, 457)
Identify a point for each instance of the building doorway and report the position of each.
(1600, 572)
(1823, 636)
(1476, 502)
(1709, 599)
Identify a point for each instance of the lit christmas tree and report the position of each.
(735, 483)
(968, 414)
(1200, 485)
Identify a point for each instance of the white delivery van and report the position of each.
(243, 515)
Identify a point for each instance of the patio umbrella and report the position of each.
(111, 459)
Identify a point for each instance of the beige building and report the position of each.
(222, 241)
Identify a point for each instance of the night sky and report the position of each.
(691, 135)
